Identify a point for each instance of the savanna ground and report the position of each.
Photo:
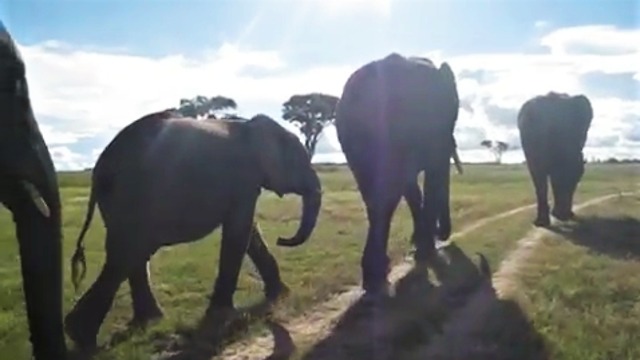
(577, 298)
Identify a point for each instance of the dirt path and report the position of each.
(460, 331)
(318, 321)
(504, 278)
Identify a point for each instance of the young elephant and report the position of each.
(164, 180)
(553, 130)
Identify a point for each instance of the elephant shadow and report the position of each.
(456, 317)
(208, 338)
(617, 237)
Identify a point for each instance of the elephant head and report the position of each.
(577, 113)
(287, 169)
(29, 189)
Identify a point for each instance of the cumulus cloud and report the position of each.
(84, 95)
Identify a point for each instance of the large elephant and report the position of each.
(166, 179)
(396, 118)
(29, 189)
(553, 130)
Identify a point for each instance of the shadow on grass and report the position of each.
(618, 237)
(212, 333)
(459, 318)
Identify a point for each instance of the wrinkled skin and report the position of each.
(165, 180)
(553, 130)
(396, 118)
(29, 189)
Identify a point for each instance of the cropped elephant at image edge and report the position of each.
(29, 189)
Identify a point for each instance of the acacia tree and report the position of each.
(311, 113)
(497, 148)
(202, 106)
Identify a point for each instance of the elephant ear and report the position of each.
(583, 116)
(266, 139)
(450, 91)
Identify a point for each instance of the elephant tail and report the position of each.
(78, 257)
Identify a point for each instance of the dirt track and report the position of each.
(318, 322)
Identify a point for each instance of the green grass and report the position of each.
(584, 285)
(183, 275)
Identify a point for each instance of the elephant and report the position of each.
(166, 179)
(395, 118)
(553, 131)
(29, 190)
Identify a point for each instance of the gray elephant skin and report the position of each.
(29, 189)
(396, 118)
(553, 131)
(164, 180)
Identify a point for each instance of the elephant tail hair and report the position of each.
(78, 257)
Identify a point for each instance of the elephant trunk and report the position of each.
(37, 216)
(311, 202)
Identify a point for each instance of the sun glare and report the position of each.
(340, 6)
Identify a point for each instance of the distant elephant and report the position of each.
(553, 131)
(396, 118)
(29, 189)
(166, 179)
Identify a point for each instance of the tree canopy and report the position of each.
(202, 106)
(311, 113)
(497, 148)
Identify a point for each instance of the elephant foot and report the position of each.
(374, 295)
(563, 215)
(217, 322)
(277, 293)
(425, 255)
(83, 337)
(443, 232)
(541, 221)
(144, 317)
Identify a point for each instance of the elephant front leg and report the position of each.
(145, 305)
(266, 265)
(236, 232)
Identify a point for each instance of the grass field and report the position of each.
(182, 276)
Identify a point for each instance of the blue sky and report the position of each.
(287, 45)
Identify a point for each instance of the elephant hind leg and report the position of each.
(266, 264)
(375, 262)
(413, 196)
(83, 322)
(145, 306)
(541, 185)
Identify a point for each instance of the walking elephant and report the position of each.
(166, 179)
(29, 189)
(396, 118)
(553, 130)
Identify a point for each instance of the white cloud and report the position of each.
(595, 39)
(96, 92)
(65, 159)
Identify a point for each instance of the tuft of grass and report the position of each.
(183, 275)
